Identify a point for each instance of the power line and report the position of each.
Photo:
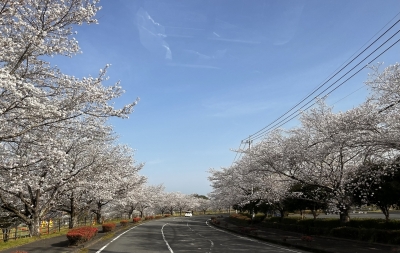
(269, 127)
(337, 72)
(298, 113)
(234, 160)
(348, 95)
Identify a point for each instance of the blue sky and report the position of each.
(210, 73)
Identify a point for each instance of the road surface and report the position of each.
(184, 234)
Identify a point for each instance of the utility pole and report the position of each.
(249, 141)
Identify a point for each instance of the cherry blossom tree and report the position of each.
(162, 203)
(325, 153)
(116, 175)
(204, 205)
(320, 152)
(34, 175)
(172, 201)
(45, 114)
(145, 197)
(34, 94)
(88, 156)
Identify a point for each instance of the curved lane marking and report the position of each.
(105, 246)
(246, 238)
(162, 232)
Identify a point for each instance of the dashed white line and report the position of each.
(212, 243)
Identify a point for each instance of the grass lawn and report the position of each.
(21, 241)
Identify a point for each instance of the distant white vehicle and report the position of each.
(188, 214)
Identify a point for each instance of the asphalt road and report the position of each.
(183, 234)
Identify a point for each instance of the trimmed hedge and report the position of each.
(108, 227)
(149, 218)
(80, 235)
(239, 219)
(335, 223)
(374, 224)
(124, 223)
(136, 220)
(369, 235)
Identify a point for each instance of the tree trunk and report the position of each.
(98, 213)
(34, 226)
(385, 211)
(344, 216)
(302, 214)
(72, 219)
(130, 212)
(282, 212)
(314, 213)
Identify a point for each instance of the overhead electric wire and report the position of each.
(267, 128)
(337, 72)
(351, 93)
(237, 151)
(274, 126)
(298, 113)
(262, 132)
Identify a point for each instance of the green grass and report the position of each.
(21, 241)
(108, 236)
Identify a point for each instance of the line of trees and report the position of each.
(331, 160)
(56, 150)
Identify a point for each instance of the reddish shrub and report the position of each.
(107, 227)
(137, 219)
(124, 223)
(19, 251)
(167, 215)
(158, 217)
(149, 217)
(235, 215)
(306, 238)
(80, 235)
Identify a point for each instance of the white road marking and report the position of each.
(162, 232)
(246, 238)
(105, 246)
(212, 243)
